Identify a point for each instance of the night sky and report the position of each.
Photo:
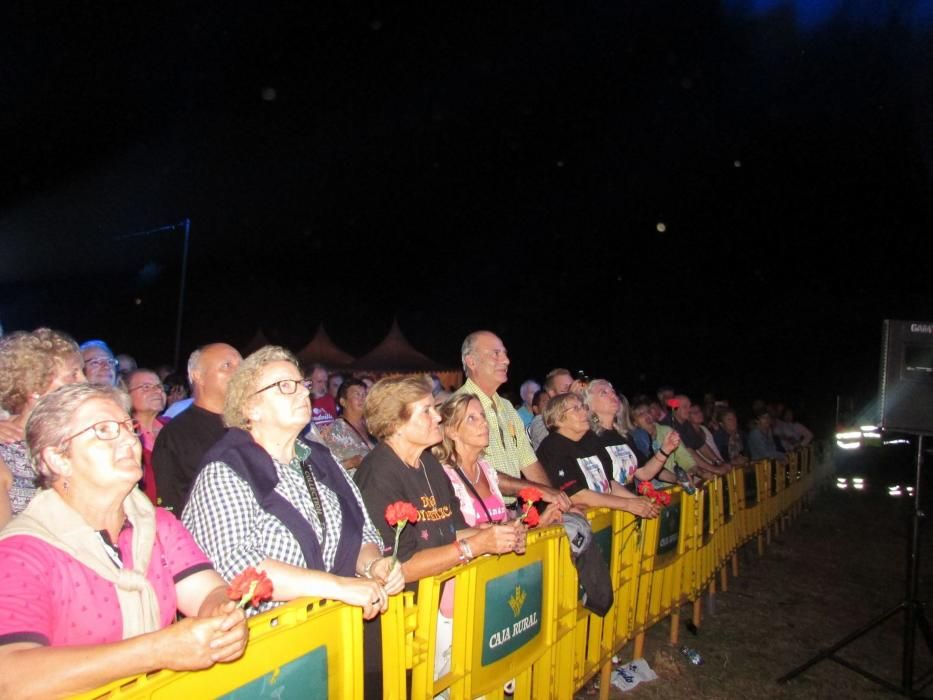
(725, 196)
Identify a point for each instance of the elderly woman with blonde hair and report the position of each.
(93, 573)
(269, 500)
(611, 422)
(32, 364)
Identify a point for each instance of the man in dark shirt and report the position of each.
(176, 457)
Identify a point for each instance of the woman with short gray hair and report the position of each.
(94, 574)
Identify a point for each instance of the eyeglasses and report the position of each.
(148, 387)
(575, 408)
(286, 386)
(109, 429)
(100, 362)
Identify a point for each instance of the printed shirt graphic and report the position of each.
(593, 472)
(624, 462)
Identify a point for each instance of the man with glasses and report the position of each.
(100, 367)
(180, 446)
(486, 364)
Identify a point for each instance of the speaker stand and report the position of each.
(914, 618)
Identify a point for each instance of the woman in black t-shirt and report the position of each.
(400, 413)
(577, 463)
(610, 421)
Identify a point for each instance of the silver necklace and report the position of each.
(425, 472)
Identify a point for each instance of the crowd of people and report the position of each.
(130, 498)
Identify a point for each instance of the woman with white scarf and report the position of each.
(93, 573)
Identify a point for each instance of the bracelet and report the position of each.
(666, 454)
(466, 554)
(368, 569)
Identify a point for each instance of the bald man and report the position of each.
(176, 457)
(486, 365)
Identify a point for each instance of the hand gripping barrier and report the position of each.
(305, 649)
(517, 619)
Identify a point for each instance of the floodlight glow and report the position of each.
(868, 428)
(898, 441)
(842, 485)
(876, 436)
(851, 435)
(859, 486)
(857, 480)
(848, 445)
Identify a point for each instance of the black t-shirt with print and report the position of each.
(621, 453)
(384, 479)
(575, 465)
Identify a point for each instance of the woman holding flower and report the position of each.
(475, 481)
(400, 413)
(269, 500)
(93, 574)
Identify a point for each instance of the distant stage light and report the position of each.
(661, 227)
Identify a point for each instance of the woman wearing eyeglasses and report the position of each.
(269, 500)
(574, 459)
(93, 573)
(148, 401)
(32, 364)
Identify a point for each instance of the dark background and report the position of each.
(498, 165)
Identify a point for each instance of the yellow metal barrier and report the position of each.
(305, 649)
(516, 617)
(504, 626)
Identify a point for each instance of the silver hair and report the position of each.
(193, 360)
(525, 384)
(48, 423)
(469, 343)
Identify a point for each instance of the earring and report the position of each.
(65, 484)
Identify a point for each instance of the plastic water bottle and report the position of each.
(693, 655)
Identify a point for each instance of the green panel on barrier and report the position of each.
(751, 487)
(726, 501)
(513, 612)
(669, 528)
(603, 539)
(305, 677)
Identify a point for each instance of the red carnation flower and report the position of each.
(399, 511)
(250, 587)
(530, 494)
(673, 403)
(398, 515)
(531, 517)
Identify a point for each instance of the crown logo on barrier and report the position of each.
(517, 600)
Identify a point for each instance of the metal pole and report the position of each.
(907, 669)
(181, 292)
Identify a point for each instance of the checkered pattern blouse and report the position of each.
(235, 532)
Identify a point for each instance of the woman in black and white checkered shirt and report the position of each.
(270, 500)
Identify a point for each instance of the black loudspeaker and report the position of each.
(907, 377)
